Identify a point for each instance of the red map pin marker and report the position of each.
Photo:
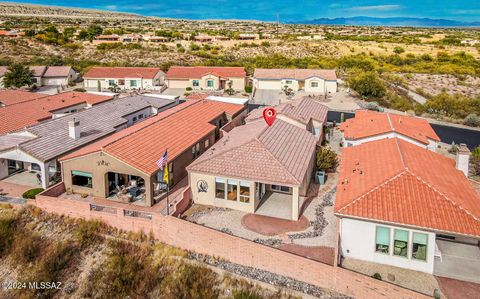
(269, 114)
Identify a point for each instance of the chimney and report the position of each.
(74, 129)
(462, 158)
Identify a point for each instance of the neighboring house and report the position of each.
(398, 203)
(259, 169)
(37, 148)
(370, 125)
(308, 80)
(111, 167)
(306, 113)
(206, 78)
(47, 75)
(59, 76)
(26, 113)
(14, 96)
(138, 78)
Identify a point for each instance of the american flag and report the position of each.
(162, 161)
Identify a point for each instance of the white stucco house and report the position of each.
(370, 125)
(47, 75)
(403, 205)
(206, 78)
(125, 78)
(308, 80)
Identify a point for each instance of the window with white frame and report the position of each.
(244, 192)
(419, 246)
(400, 242)
(219, 188)
(232, 189)
(382, 239)
(210, 83)
(288, 82)
(314, 84)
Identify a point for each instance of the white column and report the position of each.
(3, 168)
(44, 174)
(295, 207)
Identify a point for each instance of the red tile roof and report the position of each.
(15, 96)
(28, 113)
(122, 72)
(175, 129)
(394, 181)
(369, 123)
(186, 72)
(298, 74)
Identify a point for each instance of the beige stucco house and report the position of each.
(308, 80)
(137, 78)
(206, 78)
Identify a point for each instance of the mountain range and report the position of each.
(393, 21)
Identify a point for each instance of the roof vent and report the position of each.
(462, 158)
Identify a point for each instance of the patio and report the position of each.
(25, 178)
(275, 204)
(459, 261)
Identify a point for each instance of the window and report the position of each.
(232, 187)
(382, 239)
(210, 83)
(288, 81)
(34, 80)
(207, 143)
(133, 83)
(281, 188)
(196, 150)
(140, 116)
(400, 243)
(82, 179)
(121, 82)
(314, 84)
(196, 83)
(134, 119)
(111, 82)
(419, 248)
(219, 188)
(244, 192)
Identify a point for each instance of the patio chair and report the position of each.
(438, 253)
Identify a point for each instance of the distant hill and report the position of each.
(396, 21)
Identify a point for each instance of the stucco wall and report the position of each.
(238, 83)
(349, 142)
(357, 239)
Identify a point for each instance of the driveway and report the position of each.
(174, 92)
(459, 261)
(269, 97)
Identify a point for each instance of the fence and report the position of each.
(190, 236)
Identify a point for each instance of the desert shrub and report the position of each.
(372, 106)
(30, 194)
(194, 47)
(472, 120)
(192, 281)
(188, 88)
(109, 46)
(127, 272)
(398, 102)
(246, 294)
(326, 159)
(377, 275)
(88, 232)
(398, 50)
(368, 84)
(8, 228)
(26, 247)
(80, 89)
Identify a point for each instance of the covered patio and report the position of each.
(275, 204)
(457, 260)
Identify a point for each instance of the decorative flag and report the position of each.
(166, 176)
(162, 161)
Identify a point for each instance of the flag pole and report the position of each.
(168, 183)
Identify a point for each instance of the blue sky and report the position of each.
(288, 10)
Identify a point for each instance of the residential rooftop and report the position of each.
(297, 74)
(122, 72)
(27, 113)
(175, 130)
(14, 96)
(396, 182)
(370, 123)
(186, 72)
(51, 139)
(279, 154)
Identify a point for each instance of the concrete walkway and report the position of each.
(459, 261)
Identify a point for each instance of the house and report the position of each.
(9, 33)
(35, 150)
(370, 125)
(100, 78)
(14, 96)
(29, 112)
(308, 80)
(398, 203)
(306, 113)
(110, 168)
(109, 38)
(259, 169)
(248, 36)
(206, 78)
(47, 75)
(59, 76)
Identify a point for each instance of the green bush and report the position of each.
(368, 84)
(32, 193)
(248, 88)
(26, 247)
(398, 50)
(188, 88)
(472, 120)
(80, 89)
(326, 159)
(377, 275)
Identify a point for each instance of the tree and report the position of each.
(83, 35)
(230, 90)
(326, 159)
(17, 75)
(368, 84)
(476, 160)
